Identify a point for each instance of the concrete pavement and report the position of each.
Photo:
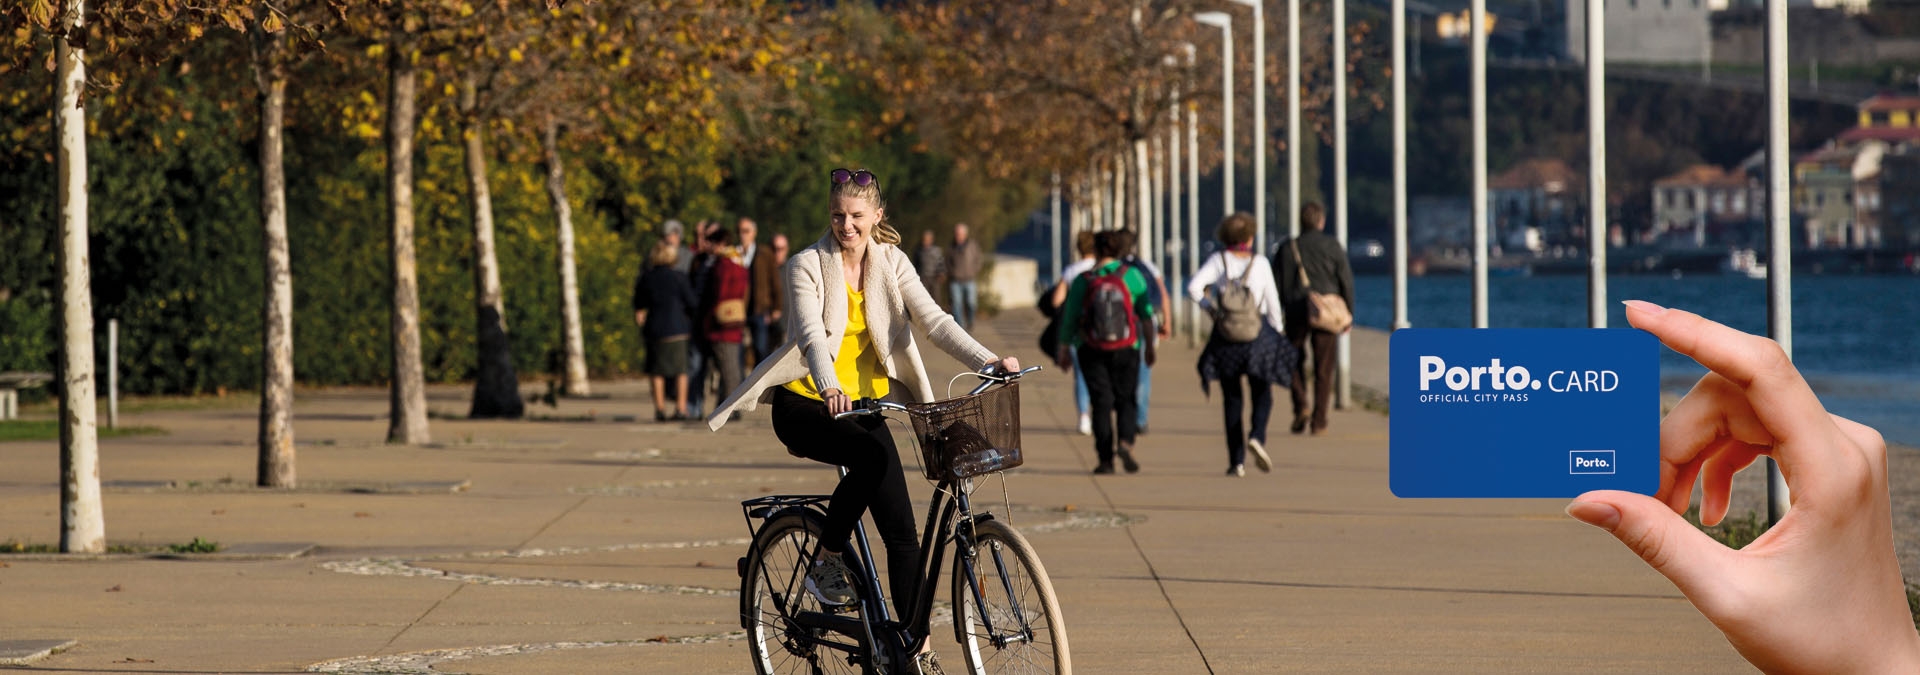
(582, 544)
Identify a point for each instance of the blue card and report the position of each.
(1523, 412)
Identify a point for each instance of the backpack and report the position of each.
(1108, 323)
(1236, 313)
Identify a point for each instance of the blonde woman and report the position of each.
(853, 300)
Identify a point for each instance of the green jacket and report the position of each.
(1072, 309)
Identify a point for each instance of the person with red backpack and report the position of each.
(1107, 315)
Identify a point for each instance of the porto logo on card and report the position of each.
(1523, 412)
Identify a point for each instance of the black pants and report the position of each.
(874, 479)
(1230, 400)
(1113, 378)
(1322, 358)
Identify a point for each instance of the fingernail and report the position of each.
(1644, 306)
(1596, 514)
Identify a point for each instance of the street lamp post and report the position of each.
(1225, 22)
(1293, 118)
(1259, 122)
(1193, 202)
(1343, 382)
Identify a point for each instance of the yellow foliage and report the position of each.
(365, 131)
(376, 50)
(514, 55)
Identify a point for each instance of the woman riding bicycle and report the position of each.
(851, 297)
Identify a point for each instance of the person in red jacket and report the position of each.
(723, 309)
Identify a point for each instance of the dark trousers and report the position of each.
(1230, 400)
(697, 352)
(874, 479)
(762, 341)
(1112, 378)
(1323, 344)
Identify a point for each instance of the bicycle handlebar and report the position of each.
(988, 378)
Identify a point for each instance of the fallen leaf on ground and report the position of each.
(1070, 508)
(219, 512)
(362, 514)
(134, 659)
(657, 638)
(703, 563)
(115, 589)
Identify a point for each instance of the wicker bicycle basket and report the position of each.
(969, 435)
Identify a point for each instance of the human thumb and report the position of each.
(1668, 543)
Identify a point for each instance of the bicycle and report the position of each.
(1006, 616)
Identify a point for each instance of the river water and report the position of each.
(1854, 337)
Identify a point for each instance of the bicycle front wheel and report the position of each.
(774, 595)
(1004, 610)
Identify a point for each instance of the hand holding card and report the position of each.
(1819, 592)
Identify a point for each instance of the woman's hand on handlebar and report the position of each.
(1006, 365)
(837, 401)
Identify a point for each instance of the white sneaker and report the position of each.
(1086, 425)
(1237, 471)
(1260, 457)
(830, 582)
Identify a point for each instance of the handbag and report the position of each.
(1325, 311)
(730, 313)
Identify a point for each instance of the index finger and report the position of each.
(1780, 397)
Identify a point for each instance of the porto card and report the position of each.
(1514, 412)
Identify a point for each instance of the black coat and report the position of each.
(668, 297)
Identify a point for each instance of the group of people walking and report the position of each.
(707, 311)
(951, 273)
(1109, 307)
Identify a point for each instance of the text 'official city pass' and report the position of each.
(1511, 412)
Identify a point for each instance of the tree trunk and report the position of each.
(408, 403)
(276, 469)
(83, 527)
(575, 383)
(496, 388)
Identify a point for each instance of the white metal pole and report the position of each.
(1478, 75)
(1343, 353)
(1156, 218)
(1225, 22)
(1293, 118)
(113, 373)
(1596, 164)
(1259, 122)
(1193, 201)
(1779, 222)
(1400, 165)
(1171, 258)
(1053, 219)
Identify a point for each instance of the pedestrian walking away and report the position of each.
(855, 301)
(963, 267)
(1106, 317)
(931, 261)
(1311, 263)
(1160, 329)
(1082, 244)
(663, 306)
(1235, 287)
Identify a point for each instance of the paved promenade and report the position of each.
(585, 543)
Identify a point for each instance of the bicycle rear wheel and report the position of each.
(1005, 614)
(773, 594)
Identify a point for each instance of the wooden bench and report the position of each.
(10, 386)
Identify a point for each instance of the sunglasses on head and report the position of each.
(861, 177)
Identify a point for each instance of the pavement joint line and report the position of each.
(426, 662)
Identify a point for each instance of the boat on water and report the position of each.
(1744, 262)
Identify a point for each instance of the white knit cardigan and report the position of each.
(816, 319)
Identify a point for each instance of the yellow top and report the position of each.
(858, 365)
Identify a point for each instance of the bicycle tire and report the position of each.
(1003, 559)
(772, 576)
